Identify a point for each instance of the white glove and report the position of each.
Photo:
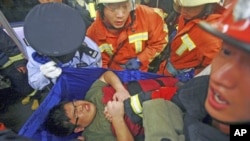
(50, 70)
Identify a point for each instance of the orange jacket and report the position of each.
(145, 39)
(192, 47)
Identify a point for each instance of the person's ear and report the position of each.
(78, 129)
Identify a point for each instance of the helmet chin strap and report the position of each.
(208, 9)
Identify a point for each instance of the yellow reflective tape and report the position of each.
(136, 105)
(92, 11)
(12, 60)
(138, 37)
(181, 49)
(138, 46)
(165, 27)
(188, 42)
(160, 13)
(108, 48)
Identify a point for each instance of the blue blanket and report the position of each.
(72, 84)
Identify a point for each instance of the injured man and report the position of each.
(113, 111)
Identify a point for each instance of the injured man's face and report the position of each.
(81, 113)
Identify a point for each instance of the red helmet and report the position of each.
(234, 25)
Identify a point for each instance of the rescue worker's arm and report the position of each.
(157, 38)
(112, 79)
(115, 113)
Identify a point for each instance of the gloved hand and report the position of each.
(133, 64)
(185, 75)
(50, 70)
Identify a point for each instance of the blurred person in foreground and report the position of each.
(212, 103)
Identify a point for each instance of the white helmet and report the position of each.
(116, 1)
(192, 3)
(109, 1)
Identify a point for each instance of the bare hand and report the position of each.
(121, 95)
(22, 69)
(114, 109)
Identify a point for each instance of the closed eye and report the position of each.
(225, 51)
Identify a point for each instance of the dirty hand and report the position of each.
(121, 95)
(114, 109)
(22, 69)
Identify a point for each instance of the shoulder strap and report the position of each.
(84, 48)
(113, 56)
(11, 33)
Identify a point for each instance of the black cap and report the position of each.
(54, 29)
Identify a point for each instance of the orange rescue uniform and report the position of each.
(145, 39)
(193, 47)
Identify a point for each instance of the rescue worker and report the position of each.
(56, 42)
(214, 104)
(13, 68)
(129, 36)
(192, 49)
(89, 114)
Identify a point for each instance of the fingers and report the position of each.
(121, 96)
(22, 69)
(107, 115)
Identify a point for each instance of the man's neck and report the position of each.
(114, 31)
(221, 126)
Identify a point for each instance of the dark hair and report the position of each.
(8, 116)
(100, 8)
(57, 121)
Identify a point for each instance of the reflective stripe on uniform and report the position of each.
(108, 48)
(137, 40)
(12, 60)
(136, 105)
(187, 43)
(160, 13)
(163, 16)
(165, 28)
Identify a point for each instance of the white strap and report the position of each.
(11, 33)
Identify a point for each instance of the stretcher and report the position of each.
(72, 84)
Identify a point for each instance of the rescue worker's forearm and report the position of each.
(121, 130)
(112, 79)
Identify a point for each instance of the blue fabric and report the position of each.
(40, 58)
(72, 84)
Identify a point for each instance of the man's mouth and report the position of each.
(219, 99)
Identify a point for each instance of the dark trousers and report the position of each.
(18, 80)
